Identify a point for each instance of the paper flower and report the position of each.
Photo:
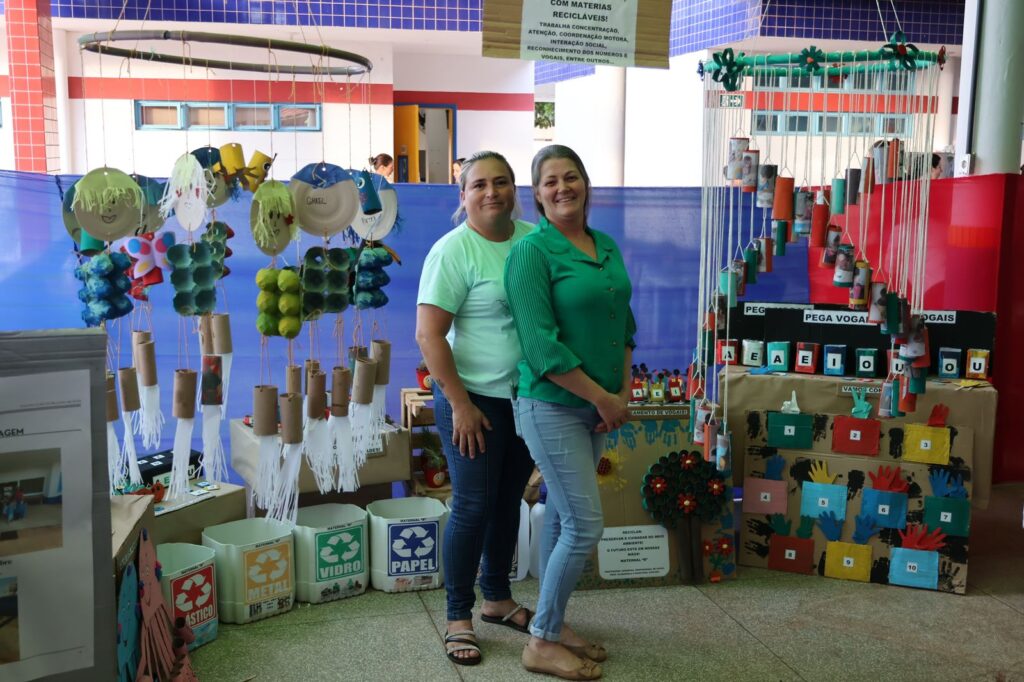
(687, 503)
(898, 49)
(709, 547)
(723, 546)
(811, 58)
(659, 485)
(729, 71)
(716, 486)
(688, 461)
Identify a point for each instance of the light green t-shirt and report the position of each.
(465, 275)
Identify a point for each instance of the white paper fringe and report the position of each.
(215, 466)
(377, 410)
(115, 464)
(128, 452)
(151, 421)
(362, 438)
(316, 444)
(179, 458)
(340, 430)
(268, 470)
(225, 368)
(285, 505)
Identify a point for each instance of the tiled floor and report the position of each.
(763, 626)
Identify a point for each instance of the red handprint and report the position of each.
(918, 537)
(888, 479)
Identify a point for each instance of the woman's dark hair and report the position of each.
(467, 164)
(381, 160)
(557, 151)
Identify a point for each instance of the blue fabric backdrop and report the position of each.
(658, 231)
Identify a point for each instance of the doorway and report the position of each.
(424, 142)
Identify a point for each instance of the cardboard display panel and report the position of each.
(971, 410)
(635, 550)
(884, 519)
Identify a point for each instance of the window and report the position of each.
(894, 125)
(862, 125)
(254, 117)
(765, 122)
(797, 123)
(829, 123)
(224, 116)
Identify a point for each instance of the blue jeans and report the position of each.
(566, 449)
(487, 492)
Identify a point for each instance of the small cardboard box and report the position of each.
(129, 514)
(393, 463)
(184, 521)
(635, 550)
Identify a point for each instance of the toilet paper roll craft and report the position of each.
(892, 168)
(224, 348)
(186, 193)
(885, 398)
(116, 466)
(710, 439)
(265, 428)
(658, 388)
(748, 171)
(782, 201)
(151, 421)
(807, 356)
(723, 450)
(949, 363)
(727, 285)
(676, 387)
(819, 220)
(842, 275)
(780, 236)
(739, 266)
(184, 410)
(880, 158)
(861, 288)
(127, 379)
(272, 217)
(325, 198)
(703, 413)
(737, 147)
(766, 175)
(833, 237)
(637, 387)
(877, 303)
(907, 400)
(916, 351)
(361, 407)
(751, 256)
(803, 210)
(867, 363)
(211, 399)
(778, 356)
(753, 352)
(107, 204)
(340, 429)
(369, 199)
(917, 379)
(867, 177)
(726, 352)
(257, 170)
(765, 249)
(835, 359)
(852, 186)
(838, 203)
(284, 504)
(316, 439)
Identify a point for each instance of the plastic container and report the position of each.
(536, 528)
(255, 566)
(188, 581)
(405, 543)
(523, 553)
(331, 553)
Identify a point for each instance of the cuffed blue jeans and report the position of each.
(487, 492)
(566, 449)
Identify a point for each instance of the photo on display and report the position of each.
(31, 512)
(10, 646)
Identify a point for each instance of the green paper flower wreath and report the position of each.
(898, 49)
(681, 484)
(811, 59)
(729, 72)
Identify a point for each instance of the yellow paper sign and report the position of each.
(268, 572)
(926, 444)
(848, 561)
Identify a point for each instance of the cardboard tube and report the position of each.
(341, 383)
(309, 367)
(139, 336)
(222, 334)
(867, 177)
(293, 379)
(819, 224)
(362, 380)
(184, 394)
(356, 352)
(211, 385)
(382, 354)
(206, 334)
(316, 390)
(129, 389)
(112, 413)
(291, 418)
(145, 362)
(264, 410)
(892, 166)
(782, 206)
(111, 382)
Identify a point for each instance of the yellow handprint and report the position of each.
(819, 472)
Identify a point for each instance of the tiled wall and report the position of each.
(923, 21)
(699, 24)
(32, 86)
(431, 15)
(555, 72)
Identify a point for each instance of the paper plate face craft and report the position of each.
(326, 199)
(221, 189)
(271, 217)
(67, 216)
(107, 204)
(379, 225)
(186, 193)
(152, 191)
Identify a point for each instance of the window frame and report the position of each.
(141, 104)
(315, 108)
(252, 105)
(229, 115)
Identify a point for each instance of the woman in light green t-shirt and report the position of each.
(465, 331)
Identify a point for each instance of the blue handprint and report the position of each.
(946, 485)
(611, 441)
(670, 432)
(867, 525)
(628, 432)
(831, 527)
(651, 432)
(773, 467)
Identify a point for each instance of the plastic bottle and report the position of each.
(536, 525)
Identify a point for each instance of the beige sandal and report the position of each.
(536, 663)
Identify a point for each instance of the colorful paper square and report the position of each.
(888, 508)
(853, 436)
(847, 561)
(926, 444)
(951, 514)
(787, 553)
(763, 496)
(820, 498)
(790, 431)
(914, 568)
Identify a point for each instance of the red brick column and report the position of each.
(32, 87)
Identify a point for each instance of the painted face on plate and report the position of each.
(111, 221)
(190, 209)
(280, 229)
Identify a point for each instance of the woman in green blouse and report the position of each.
(569, 293)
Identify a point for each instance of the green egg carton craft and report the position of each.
(325, 282)
(194, 277)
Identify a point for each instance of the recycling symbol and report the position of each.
(330, 552)
(269, 565)
(423, 543)
(195, 592)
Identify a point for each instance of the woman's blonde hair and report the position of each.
(467, 164)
